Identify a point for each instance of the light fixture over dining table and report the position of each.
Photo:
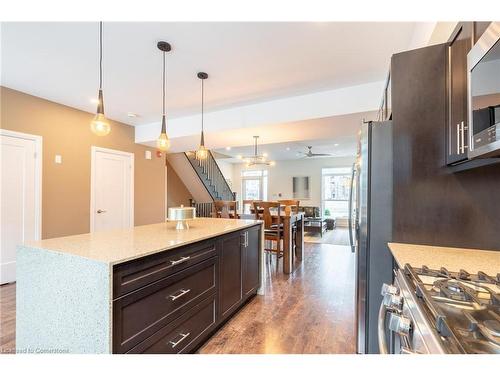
(257, 159)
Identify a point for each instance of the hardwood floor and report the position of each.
(7, 318)
(310, 311)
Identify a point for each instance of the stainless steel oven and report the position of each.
(483, 65)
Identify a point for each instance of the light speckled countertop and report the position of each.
(452, 258)
(118, 246)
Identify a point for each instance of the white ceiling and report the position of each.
(321, 132)
(246, 62)
(339, 147)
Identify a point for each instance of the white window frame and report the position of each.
(323, 175)
(263, 175)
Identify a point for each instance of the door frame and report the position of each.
(38, 139)
(93, 151)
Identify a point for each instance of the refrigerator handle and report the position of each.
(351, 195)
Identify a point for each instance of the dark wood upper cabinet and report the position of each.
(459, 45)
(251, 261)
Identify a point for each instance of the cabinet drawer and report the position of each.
(143, 312)
(133, 275)
(183, 334)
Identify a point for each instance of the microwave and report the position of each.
(483, 66)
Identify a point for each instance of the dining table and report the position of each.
(293, 250)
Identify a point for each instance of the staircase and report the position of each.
(212, 178)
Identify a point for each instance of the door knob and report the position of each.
(99, 211)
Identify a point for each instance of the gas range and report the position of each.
(437, 311)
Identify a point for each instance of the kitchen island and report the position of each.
(149, 289)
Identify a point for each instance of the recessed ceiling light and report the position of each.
(228, 148)
(131, 114)
(336, 144)
(288, 148)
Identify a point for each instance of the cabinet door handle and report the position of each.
(246, 239)
(179, 261)
(458, 139)
(464, 128)
(183, 337)
(462, 135)
(183, 292)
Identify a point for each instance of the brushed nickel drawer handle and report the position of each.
(179, 261)
(183, 292)
(175, 343)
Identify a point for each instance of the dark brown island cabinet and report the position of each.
(172, 302)
(461, 41)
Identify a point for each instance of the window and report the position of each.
(254, 185)
(336, 183)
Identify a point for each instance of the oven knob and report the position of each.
(399, 324)
(392, 301)
(388, 289)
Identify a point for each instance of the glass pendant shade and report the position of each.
(202, 152)
(163, 143)
(100, 125)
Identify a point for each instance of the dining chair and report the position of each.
(294, 206)
(249, 203)
(273, 228)
(225, 210)
(292, 203)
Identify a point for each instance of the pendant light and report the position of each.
(202, 152)
(256, 158)
(163, 143)
(100, 125)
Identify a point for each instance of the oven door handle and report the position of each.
(382, 342)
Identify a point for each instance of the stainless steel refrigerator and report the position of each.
(370, 227)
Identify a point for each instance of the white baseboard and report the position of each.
(7, 272)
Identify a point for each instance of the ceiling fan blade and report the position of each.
(321, 154)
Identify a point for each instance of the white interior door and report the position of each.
(20, 197)
(112, 190)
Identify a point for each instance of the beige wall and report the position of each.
(177, 193)
(66, 186)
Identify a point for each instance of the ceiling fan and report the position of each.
(310, 154)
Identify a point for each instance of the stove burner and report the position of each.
(455, 290)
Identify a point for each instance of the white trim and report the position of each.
(93, 151)
(38, 174)
(322, 200)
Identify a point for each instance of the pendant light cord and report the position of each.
(100, 55)
(164, 82)
(202, 106)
